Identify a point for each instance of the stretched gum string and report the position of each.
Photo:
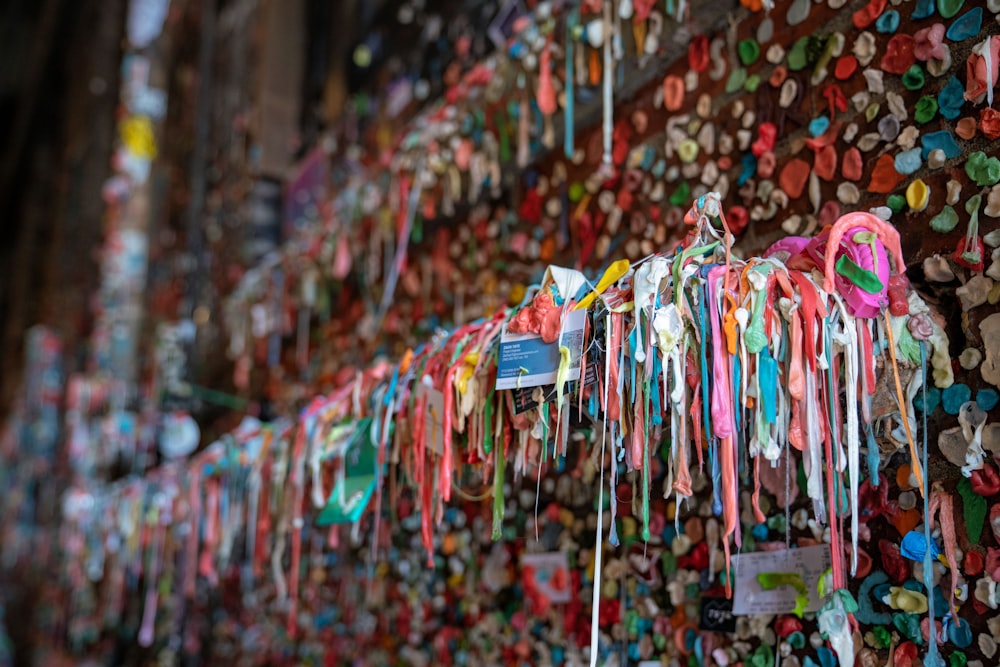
(853, 440)
(678, 422)
(615, 345)
(702, 385)
(298, 491)
(836, 546)
(584, 359)
(918, 472)
(608, 93)
(206, 565)
(941, 504)
(682, 482)
(545, 95)
(722, 422)
(524, 132)
(637, 439)
(758, 515)
(263, 522)
(815, 439)
(868, 378)
(796, 370)
(419, 421)
(769, 316)
(568, 112)
(808, 310)
(383, 441)
(147, 626)
(444, 482)
(194, 516)
(988, 62)
(932, 659)
(595, 613)
(695, 414)
(721, 402)
(499, 471)
(426, 534)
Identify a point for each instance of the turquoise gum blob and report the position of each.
(954, 396)
(965, 26)
(987, 399)
(951, 98)
(924, 9)
(817, 126)
(960, 633)
(888, 23)
(943, 140)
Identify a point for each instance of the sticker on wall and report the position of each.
(779, 582)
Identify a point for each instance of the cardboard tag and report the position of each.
(434, 421)
(549, 575)
(356, 485)
(525, 360)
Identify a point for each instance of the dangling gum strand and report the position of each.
(942, 505)
(918, 473)
(728, 454)
(568, 109)
(298, 490)
(851, 373)
(595, 613)
(194, 516)
(608, 120)
(931, 658)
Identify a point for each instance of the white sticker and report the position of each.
(749, 597)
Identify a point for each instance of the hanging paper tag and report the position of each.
(527, 361)
(750, 597)
(547, 574)
(434, 420)
(353, 492)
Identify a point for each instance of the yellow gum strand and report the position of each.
(613, 274)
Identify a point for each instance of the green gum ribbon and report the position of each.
(488, 423)
(500, 120)
(681, 260)
(562, 376)
(771, 580)
(543, 410)
(863, 278)
(754, 335)
(498, 475)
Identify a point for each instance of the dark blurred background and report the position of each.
(247, 89)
